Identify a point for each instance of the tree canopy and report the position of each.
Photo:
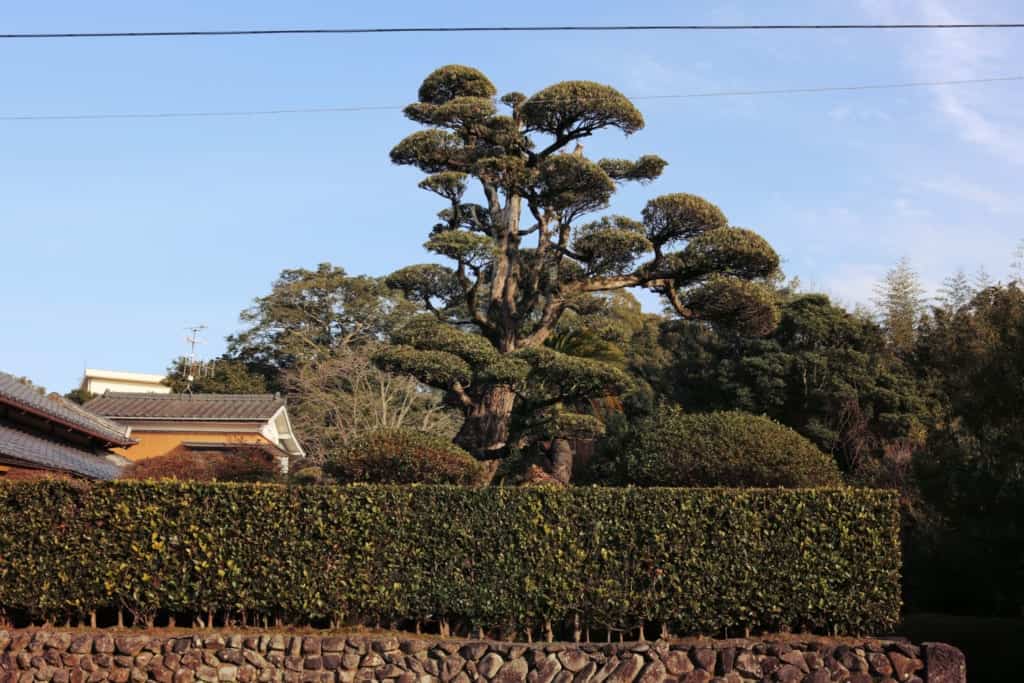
(310, 313)
(973, 467)
(826, 373)
(524, 249)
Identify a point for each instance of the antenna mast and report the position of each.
(192, 367)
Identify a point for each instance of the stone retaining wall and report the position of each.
(96, 656)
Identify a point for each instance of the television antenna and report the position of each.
(193, 366)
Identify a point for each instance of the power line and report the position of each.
(361, 108)
(501, 29)
(196, 114)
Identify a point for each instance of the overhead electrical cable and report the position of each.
(503, 29)
(360, 108)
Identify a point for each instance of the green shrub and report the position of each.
(723, 449)
(700, 560)
(403, 456)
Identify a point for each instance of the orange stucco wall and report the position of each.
(152, 444)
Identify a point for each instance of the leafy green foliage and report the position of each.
(572, 108)
(510, 282)
(680, 216)
(736, 303)
(466, 247)
(429, 150)
(700, 560)
(226, 376)
(310, 314)
(973, 468)
(822, 371)
(900, 301)
(438, 368)
(403, 456)
(728, 251)
(572, 185)
(611, 245)
(557, 376)
(79, 396)
(448, 82)
(425, 284)
(723, 449)
(645, 169)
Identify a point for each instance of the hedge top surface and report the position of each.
(724, 449)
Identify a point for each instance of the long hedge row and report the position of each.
(698, 560)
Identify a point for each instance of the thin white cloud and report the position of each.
(983, 115)
(853, 283)
(961, 189)
(874, 236)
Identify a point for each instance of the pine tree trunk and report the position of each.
(560, 460)
(485, 432)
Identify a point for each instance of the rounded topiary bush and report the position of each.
(403, 456)
(724, 449)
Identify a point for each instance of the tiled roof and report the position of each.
(214, 407)
(54, 456)
(17, 393)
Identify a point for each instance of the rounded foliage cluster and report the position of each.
(575, 107)
(724, 449)
(680, 216)
(403, 456)
(448, 82)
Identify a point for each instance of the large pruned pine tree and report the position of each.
(525, 253)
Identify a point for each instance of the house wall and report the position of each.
(98, 385)
(153, 444)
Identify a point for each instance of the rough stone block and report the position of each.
(81, 644)
(129, 645)
(944, 663)
(513, 671)
(227, 672)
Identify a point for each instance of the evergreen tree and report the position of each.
(973, 468)
(489, 315)
(982, 280)
(1017, 265)
(824, 372)
(956, 291)
(899, 299)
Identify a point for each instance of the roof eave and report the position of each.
(65, 423)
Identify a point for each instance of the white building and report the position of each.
(100, 381)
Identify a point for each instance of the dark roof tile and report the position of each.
(55, 456)
(23, 396)
(214, 407)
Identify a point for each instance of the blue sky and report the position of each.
(117, 234)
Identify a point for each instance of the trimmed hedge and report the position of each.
(403, 456)
(728, 448)
(699, 560)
